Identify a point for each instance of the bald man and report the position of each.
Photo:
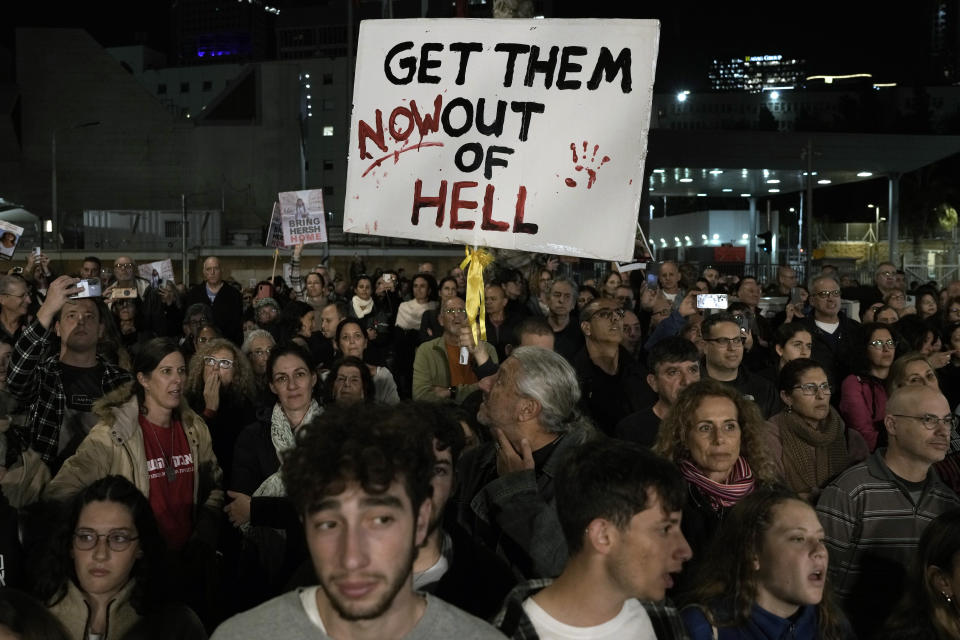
(226, 301)
(874, 513)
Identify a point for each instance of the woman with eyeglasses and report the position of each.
(220, 388)
(816, 443)
(148, 434)
(257, 346)
(897, 300)
(863, 395)
(205, 333)
(724, 449)
(104, 571)
(14, 303)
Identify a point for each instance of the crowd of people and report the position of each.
(339, 456)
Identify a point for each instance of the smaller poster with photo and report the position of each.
(10, 235)
(302, 217)
(157, 273)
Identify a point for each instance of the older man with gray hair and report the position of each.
(506, 486)
(836, 338)
(567, 335)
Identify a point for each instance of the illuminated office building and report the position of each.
(756, 73)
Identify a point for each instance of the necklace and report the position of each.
(167, 468)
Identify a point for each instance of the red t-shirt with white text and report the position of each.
(172, 502)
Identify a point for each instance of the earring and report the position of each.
(947, 597)
(789, 408)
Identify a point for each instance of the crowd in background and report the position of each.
(817, 460)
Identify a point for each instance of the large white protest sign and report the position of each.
(302, 217)
(517, 134)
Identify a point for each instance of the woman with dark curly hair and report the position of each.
(104, 570)
(724, 450)
(767, 577)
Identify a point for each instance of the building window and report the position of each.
(171, 229)
(162, 89)
(328, 78)
(184, 87)
(328, 104)
(327, 131)
(328, 165)
(207, 85)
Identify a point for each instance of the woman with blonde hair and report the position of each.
(724, 450)
(911, 369)
(219, 387)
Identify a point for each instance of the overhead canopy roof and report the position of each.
(691, 163)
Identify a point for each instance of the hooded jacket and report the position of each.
(115, 447)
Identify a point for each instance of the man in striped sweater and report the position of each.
(873, 513)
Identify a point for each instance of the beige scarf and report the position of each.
(811, 457)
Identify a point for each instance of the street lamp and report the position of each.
(53, 176)
(877, 219)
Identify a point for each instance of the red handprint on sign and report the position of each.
(580, 164)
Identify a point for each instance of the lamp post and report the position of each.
(53, 176)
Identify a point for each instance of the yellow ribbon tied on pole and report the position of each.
(473, 265)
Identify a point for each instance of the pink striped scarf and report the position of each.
(721, 494)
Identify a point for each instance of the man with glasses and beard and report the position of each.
(365, 514)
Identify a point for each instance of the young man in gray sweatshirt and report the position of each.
(361, 484)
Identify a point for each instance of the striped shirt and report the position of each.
(872, 526)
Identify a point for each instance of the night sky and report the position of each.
(834, 37)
